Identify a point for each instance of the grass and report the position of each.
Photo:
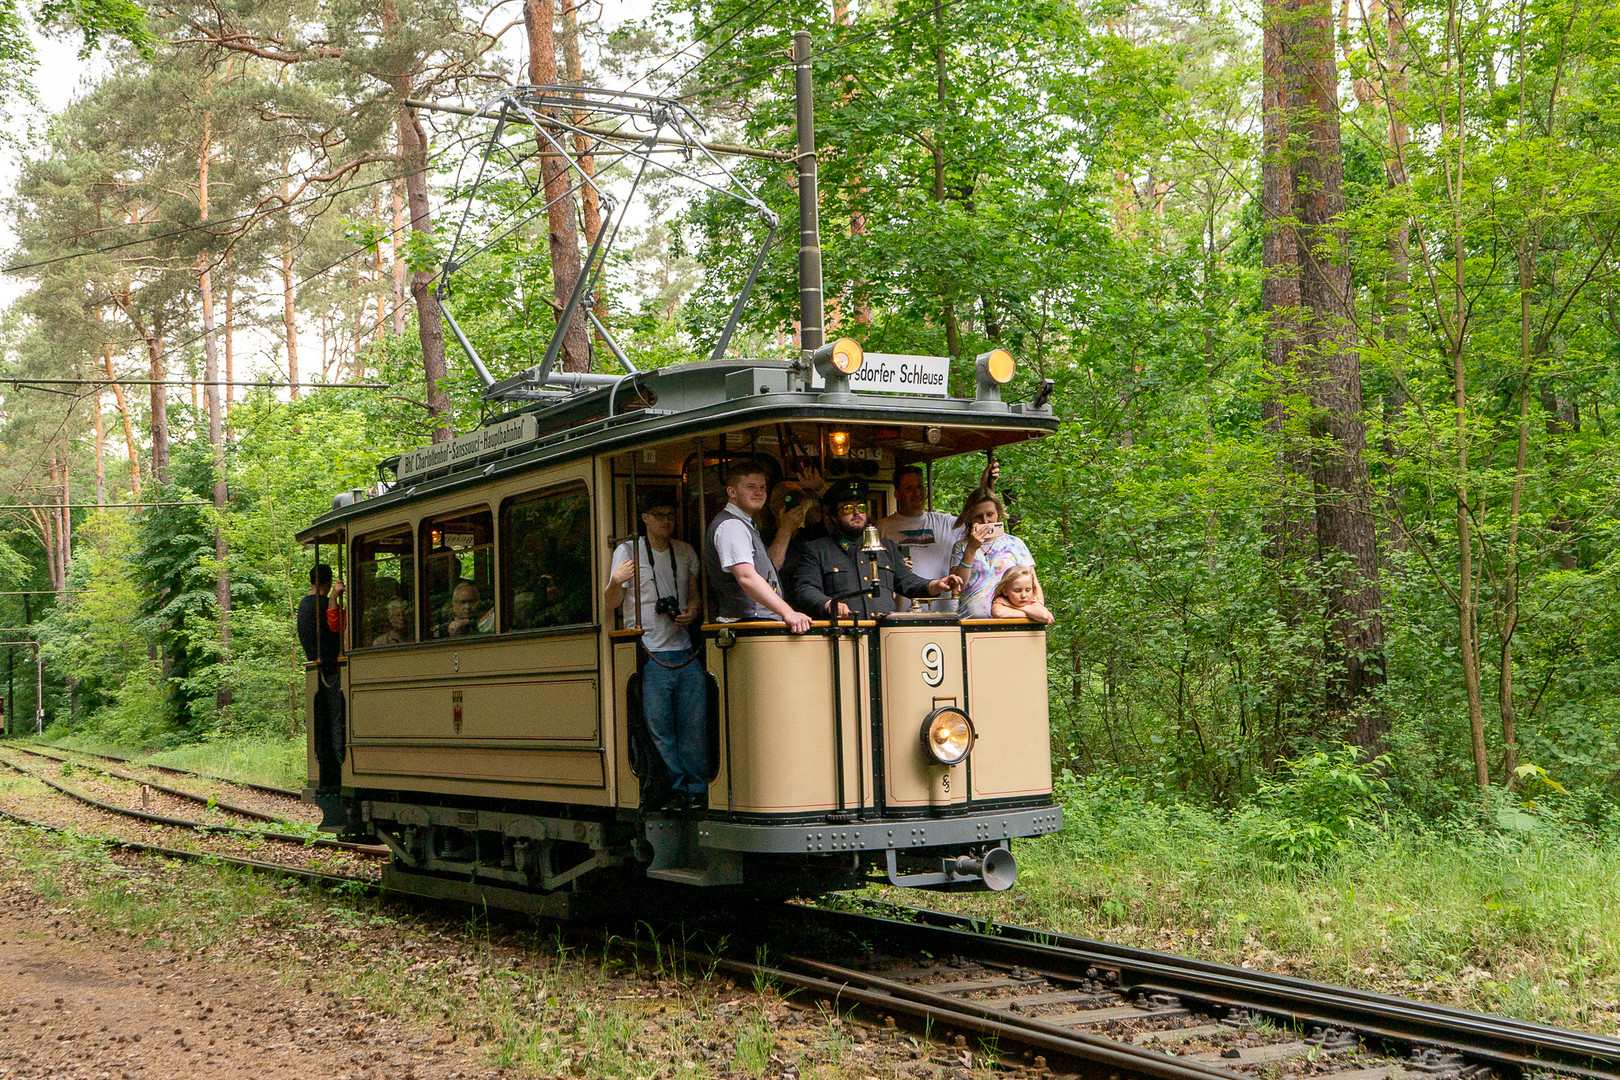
(528, 998)
(1520, 924)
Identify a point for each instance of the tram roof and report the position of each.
(685, 400)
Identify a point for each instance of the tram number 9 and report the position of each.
(933, 658)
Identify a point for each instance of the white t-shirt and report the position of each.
(670, 573)
(733, 541)
(929, 536)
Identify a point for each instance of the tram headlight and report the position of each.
(948, 735)
(836, 361)
(993, 370)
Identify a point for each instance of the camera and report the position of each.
(791, 499)
(668, 605)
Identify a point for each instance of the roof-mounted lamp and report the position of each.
(992, 371)
(835, 362)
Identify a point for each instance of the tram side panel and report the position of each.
(516, 718)
(1007, 697)
(623, 652)
(922, 672)
(779, 743)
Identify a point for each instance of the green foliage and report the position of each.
(1523, 925)
(1317, 804)
(1075, 184)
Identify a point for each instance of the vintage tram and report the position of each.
(489, 737)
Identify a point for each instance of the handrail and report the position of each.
(777, 624)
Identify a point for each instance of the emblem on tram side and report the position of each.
(455, 709)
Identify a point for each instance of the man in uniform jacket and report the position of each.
(829, 567)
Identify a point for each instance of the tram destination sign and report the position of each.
(474, 444)
(897, 373)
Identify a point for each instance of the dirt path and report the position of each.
(78, 1004)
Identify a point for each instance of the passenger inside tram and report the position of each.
(467, 612)
(546, 548)
(398, 628)
(906, 470)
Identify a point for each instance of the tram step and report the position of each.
(693, 875)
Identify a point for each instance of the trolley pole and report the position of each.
(811, 333)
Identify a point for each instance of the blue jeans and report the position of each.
(676, 706)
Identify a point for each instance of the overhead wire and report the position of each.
(387, 316)
(932, 9)
(306, 279)
(685, 48)
(212, 224)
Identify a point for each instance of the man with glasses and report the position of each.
(673, 695)
(831, 568)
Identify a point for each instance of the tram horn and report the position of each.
(998, 869)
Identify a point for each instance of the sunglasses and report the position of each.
(660, 515)
(851, 508)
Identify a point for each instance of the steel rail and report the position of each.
(1519, 1045)
(183, 823)
(1130, 955)
(1088, 1053)
(191, 796)
(322, 877)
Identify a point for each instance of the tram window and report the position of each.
(458, 560)
(383, 599)
(546, 559)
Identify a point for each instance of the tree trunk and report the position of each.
(1467, 620)
(942, 91)
(1345, 533)
(216, 419)
(160, 402)
(539, 17)
(396, 244)
(590, 202)
(1398, 281)
(429, 321)
(230, 343)
(129, 423)
(1279, 286)
(289, 309)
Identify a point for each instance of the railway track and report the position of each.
(145, 814)
(265, 789)
(1055, 1002)
(322, 877)
(95, 764)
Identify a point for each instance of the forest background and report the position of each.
(1328, 294)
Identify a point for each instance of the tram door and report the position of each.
(631, 484)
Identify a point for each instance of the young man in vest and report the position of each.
(674, 698)
(739, 564)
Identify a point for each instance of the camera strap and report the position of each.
(652, 563)
(658, 591)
